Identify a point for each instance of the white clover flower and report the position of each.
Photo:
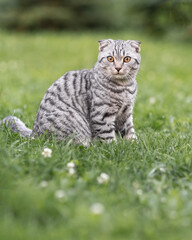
(162, 169)
(152, 100)
(103, 178)
(97, 208)
(43, 184)
(59, 194)
(139, 192)
(71, 168)
(172, 118)
(71, 171)
(70, 165)
(47, 152)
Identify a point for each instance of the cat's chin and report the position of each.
(119, 77)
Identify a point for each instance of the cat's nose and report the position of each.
(118, 69)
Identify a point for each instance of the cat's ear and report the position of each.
(136, 44)
(103, 43)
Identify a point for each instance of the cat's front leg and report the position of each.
(103, 126)
(125, 124)
(128, 128)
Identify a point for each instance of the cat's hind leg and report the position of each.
(68, 124)
(79, 127)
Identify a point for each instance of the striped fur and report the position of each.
(96, 103)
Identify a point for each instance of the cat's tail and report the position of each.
(17, 126)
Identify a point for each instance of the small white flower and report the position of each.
(152, 100)
(70, 165)
(43, 184)
(71, 168)
(59, 194)
(139, 192)
(47, 152)
(103, 178)
(171, 119)
(97, 208)
(71, 171)
(162, 169)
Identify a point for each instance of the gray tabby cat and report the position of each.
(89, 104)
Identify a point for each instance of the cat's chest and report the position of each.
(123, 95)
(114, 98)
(120, 100)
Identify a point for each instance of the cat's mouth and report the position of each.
(118, 74)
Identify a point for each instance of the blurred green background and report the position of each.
(156, 17)
(149, 193)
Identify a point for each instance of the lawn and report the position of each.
(148, 194)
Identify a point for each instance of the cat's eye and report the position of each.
(127, 59)
(110, 59)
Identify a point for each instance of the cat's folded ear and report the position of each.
(103, 43)
(136, 44)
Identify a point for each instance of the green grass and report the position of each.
(149, 194)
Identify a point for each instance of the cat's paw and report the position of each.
(86, 143)
(110, 140)
(131, 137)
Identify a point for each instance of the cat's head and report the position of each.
(118, 59)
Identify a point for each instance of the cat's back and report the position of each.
(67, 94)
(71, 83)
